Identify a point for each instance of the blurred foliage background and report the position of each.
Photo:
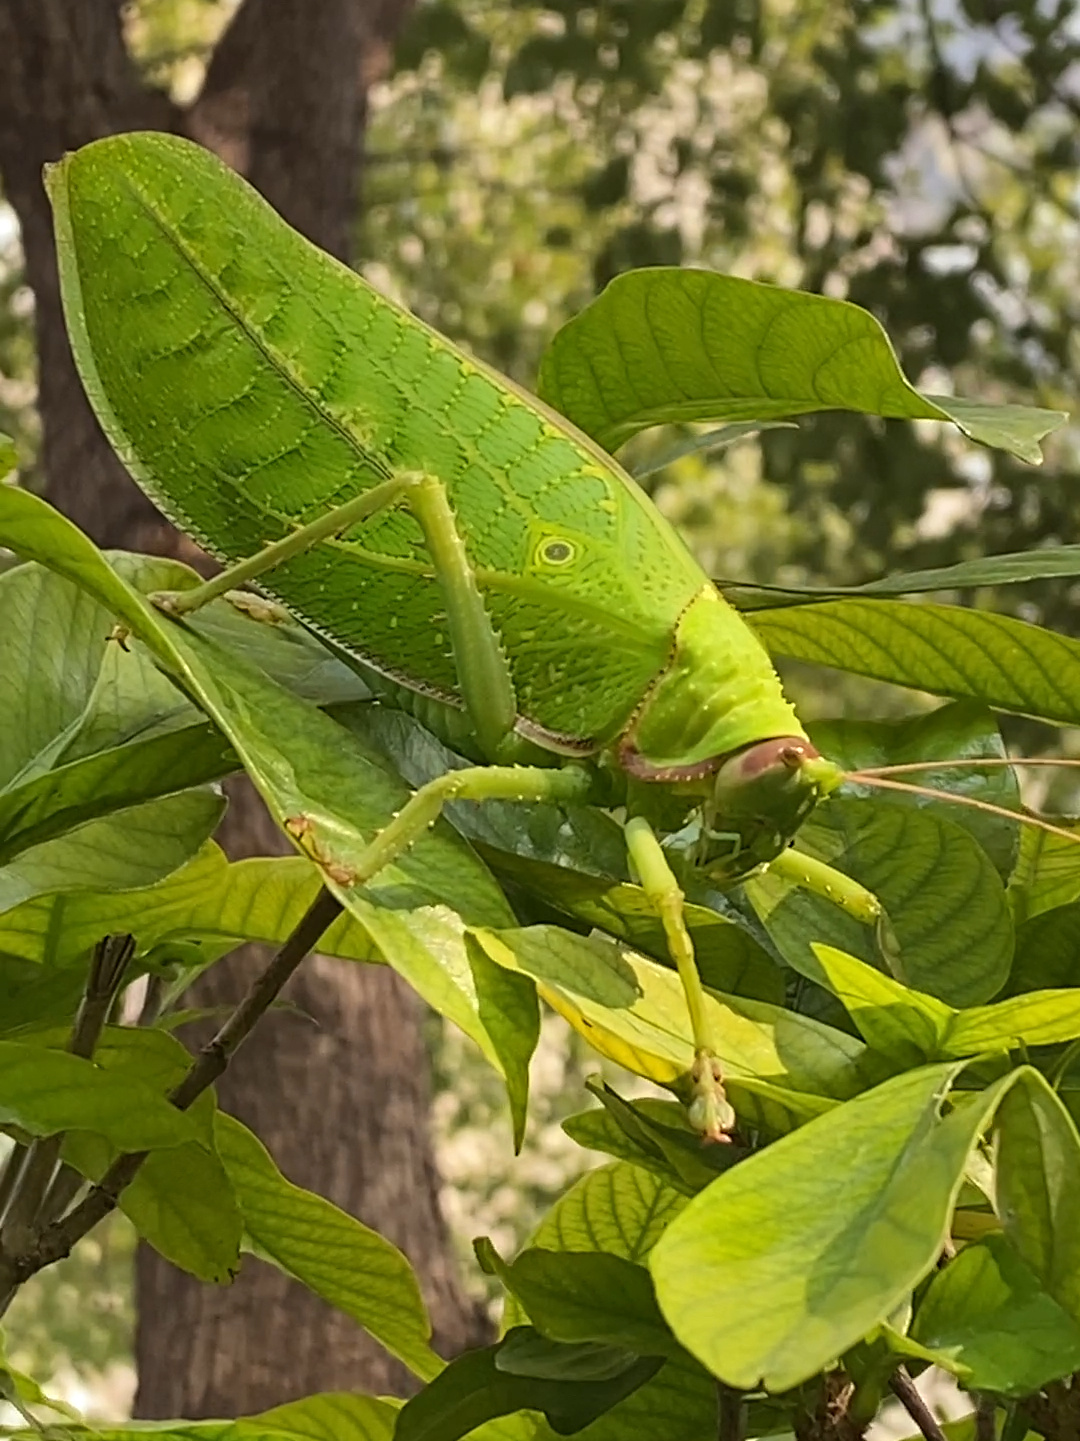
(920, 158)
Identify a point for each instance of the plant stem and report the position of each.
(57, 1239)
(903, 1388)
(730, 1414)
(10, 1177)
(985, 1419)
(108, 963)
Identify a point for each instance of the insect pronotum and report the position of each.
(440, 525)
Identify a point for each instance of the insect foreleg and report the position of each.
(361, 507)
(852, 898)
(710, 1112)
(479, 783)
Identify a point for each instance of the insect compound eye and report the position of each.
(556, 552)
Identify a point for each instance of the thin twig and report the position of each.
(108, 963)
(903, 1388)
(985, 1419)
(730, 1414)
(57, 1239)
(12, 1167)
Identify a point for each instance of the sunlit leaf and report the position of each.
(667, 345)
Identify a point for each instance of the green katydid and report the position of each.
(505, 578)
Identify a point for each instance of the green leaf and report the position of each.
(330, 1416)
(181, 1202)
(1047, 873)
(633, 1011)
(622, 1210)
(585, 1296)
(509, 1012)
(330, 1252)
(619, 1209)
(1038, 1160)
(942, 894)
(1050, 562)
(1041, 1018)
(961, 731)
(110, 781)
(31, 996)
(44, 1092)
(728, 957)
(474, 1389)
(1046, 951)
(651, 1133)
(210, 901)
(904, 1024)
(911, 1027)
(827, 1252)
(946, 650)
(705, 347)
(129, 849)
(987, 1319)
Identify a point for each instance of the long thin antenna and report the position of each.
(971, 762)
(879, 782)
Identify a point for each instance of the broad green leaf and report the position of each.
(109, 782)
(1038, 1160)
(618, 1208)
(181, 1202)
(1047, 951)
(987, 1319)
(826, 1252)
(1050, 562)
(940, 890)
(209, 901)
(51, 648)
(632, 1010)
(910, 1027)
(728, 957)
(124, 851)
(509, 1012)
(474, 1389)
(30, 995)
(43, 1091)
(904, 1024)
(1047, 873)
(668, 345)
(961, 731)
(346, 1263)
(944, 649)
(622, 1210)
(330, 1416)
(651, 1133)
(585, 1296)
(1040, 1018)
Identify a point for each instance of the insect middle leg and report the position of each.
(709, 1110)
(851, 897)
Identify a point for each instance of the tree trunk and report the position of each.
(339, 1094)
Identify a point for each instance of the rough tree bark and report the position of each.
(340, 1098)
